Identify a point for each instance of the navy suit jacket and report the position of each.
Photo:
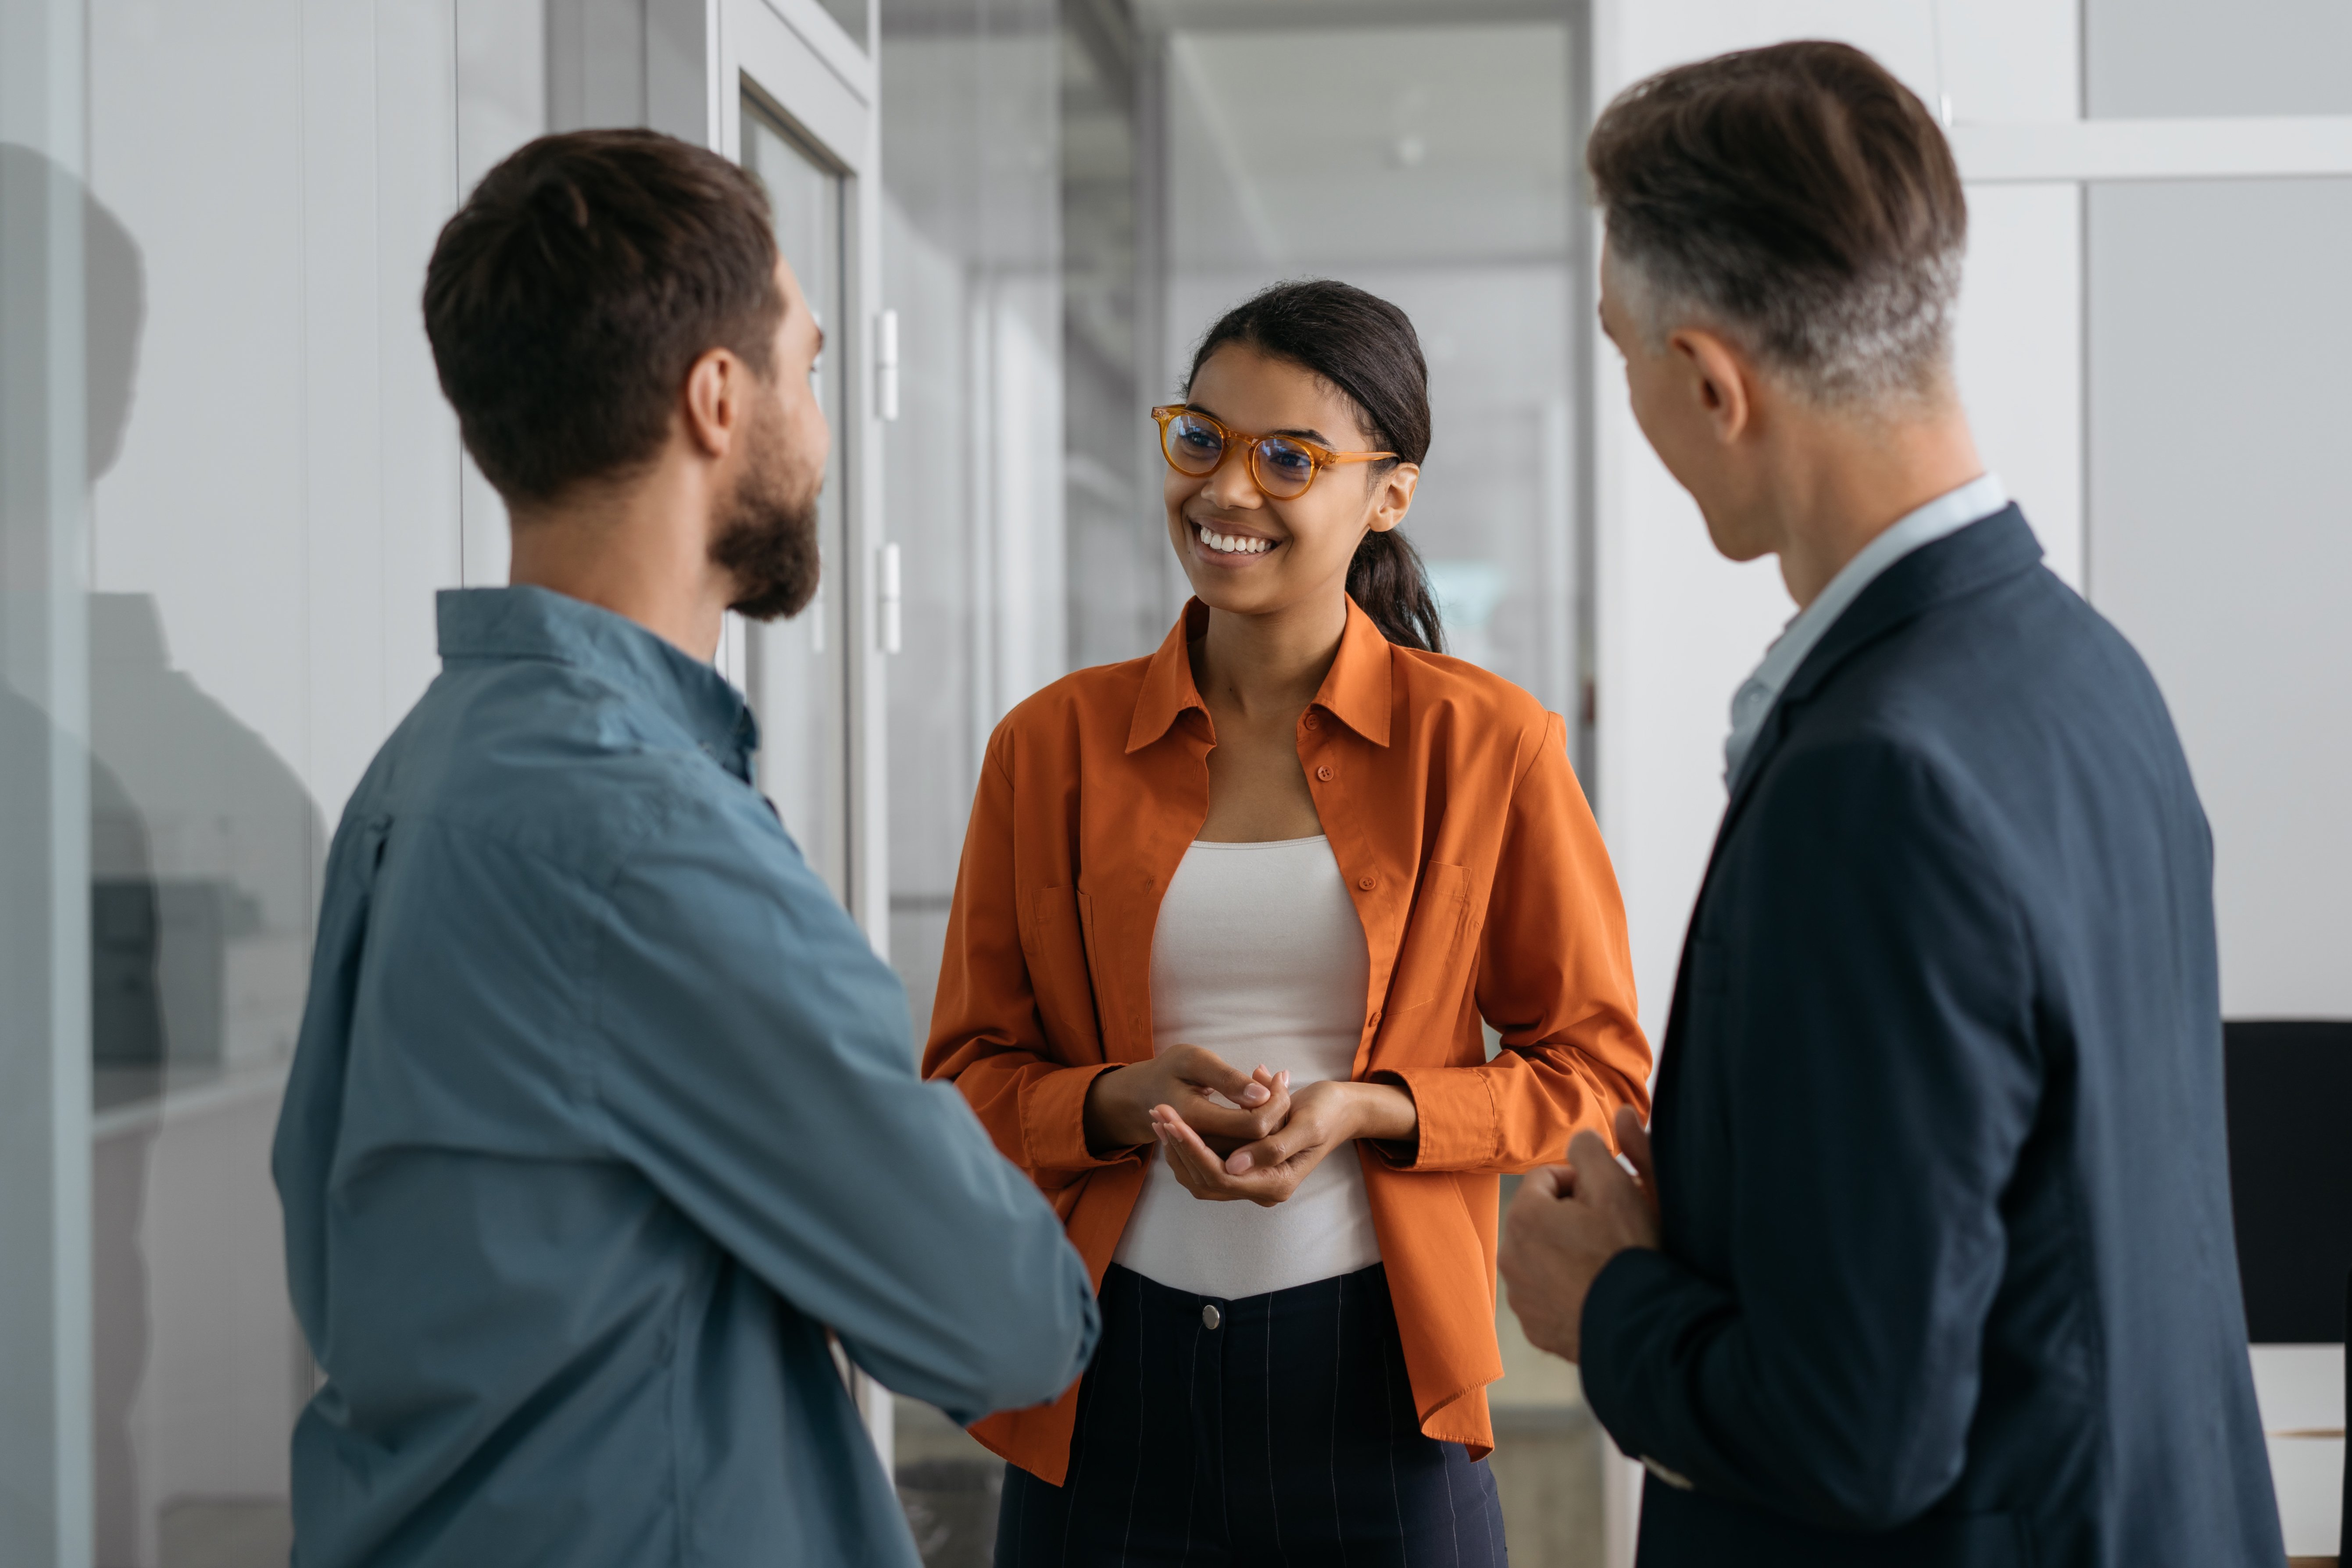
(1947, 1276)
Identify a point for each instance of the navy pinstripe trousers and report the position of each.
(1275, 1430)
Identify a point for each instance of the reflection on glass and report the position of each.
(203, 850)
(205, 840)
(799, 669)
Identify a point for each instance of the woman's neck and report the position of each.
(1270, 664)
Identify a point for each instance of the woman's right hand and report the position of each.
(1184, 1078)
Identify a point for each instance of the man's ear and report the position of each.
(715, 401)
(1715, 378)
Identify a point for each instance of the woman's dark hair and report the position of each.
(1366, 348)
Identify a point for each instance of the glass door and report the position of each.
(797, 670)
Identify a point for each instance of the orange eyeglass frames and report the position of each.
(1282, 465)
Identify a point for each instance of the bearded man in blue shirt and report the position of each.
(605, 1114)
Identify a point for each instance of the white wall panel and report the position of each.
(2221, 543)
(2019, 347)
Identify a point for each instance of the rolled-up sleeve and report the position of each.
(752, 1057)
(1555, 978)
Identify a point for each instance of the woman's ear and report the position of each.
(1391, 496)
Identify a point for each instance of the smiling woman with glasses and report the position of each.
(1230, 920)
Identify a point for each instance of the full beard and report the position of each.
(767, 540)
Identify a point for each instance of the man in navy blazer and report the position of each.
(1928, 1258)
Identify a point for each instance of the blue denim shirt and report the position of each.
(604, 1110)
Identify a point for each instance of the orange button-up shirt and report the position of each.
(1484, 892)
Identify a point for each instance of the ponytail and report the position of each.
(1388, 583)
(1366, 348)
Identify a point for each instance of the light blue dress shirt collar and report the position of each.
(1947, 513)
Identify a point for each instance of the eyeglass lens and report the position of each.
(1196, 446)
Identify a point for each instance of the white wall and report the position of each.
(2221, 541)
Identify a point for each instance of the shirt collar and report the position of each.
(1947, 513)
(527, 623)
(1355, 690)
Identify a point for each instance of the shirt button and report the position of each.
(1324, 772)
(1313, 722)
(1367, 883)
(1209, 1317)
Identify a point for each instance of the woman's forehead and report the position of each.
(1252, 390)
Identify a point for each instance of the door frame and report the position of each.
(824, 85)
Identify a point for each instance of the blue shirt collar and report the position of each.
(526, 623)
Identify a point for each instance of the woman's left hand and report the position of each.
(1323, 1117)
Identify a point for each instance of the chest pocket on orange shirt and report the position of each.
(1434, 961)
(1053, 939)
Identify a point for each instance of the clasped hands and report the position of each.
(1228, 1134)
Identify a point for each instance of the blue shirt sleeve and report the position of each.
(753, 1058)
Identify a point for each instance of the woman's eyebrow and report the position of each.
(1307, 433)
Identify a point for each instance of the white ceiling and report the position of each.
(1368, 146)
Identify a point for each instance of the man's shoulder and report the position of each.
(2022, 662)
(548, 763)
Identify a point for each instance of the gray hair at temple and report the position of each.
(1800, 200)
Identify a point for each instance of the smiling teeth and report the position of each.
(1235, 545)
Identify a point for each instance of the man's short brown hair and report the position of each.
(572, 291)
(1797, 198)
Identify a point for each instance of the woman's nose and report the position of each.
(1231, 488)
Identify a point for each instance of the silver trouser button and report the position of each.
(1209, 1317)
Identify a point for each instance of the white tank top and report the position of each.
(1259, 956)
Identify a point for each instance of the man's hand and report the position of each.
(1568, 1222)
(1185, 1079)
(1324, 1117)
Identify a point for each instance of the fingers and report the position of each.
(1199, 1066)
(1273, 1149)
(1546, 1182)
(1204, 1175)
(1214, 1119)
(1188, 1160)
(1178, 1150)
(1597, 1169)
